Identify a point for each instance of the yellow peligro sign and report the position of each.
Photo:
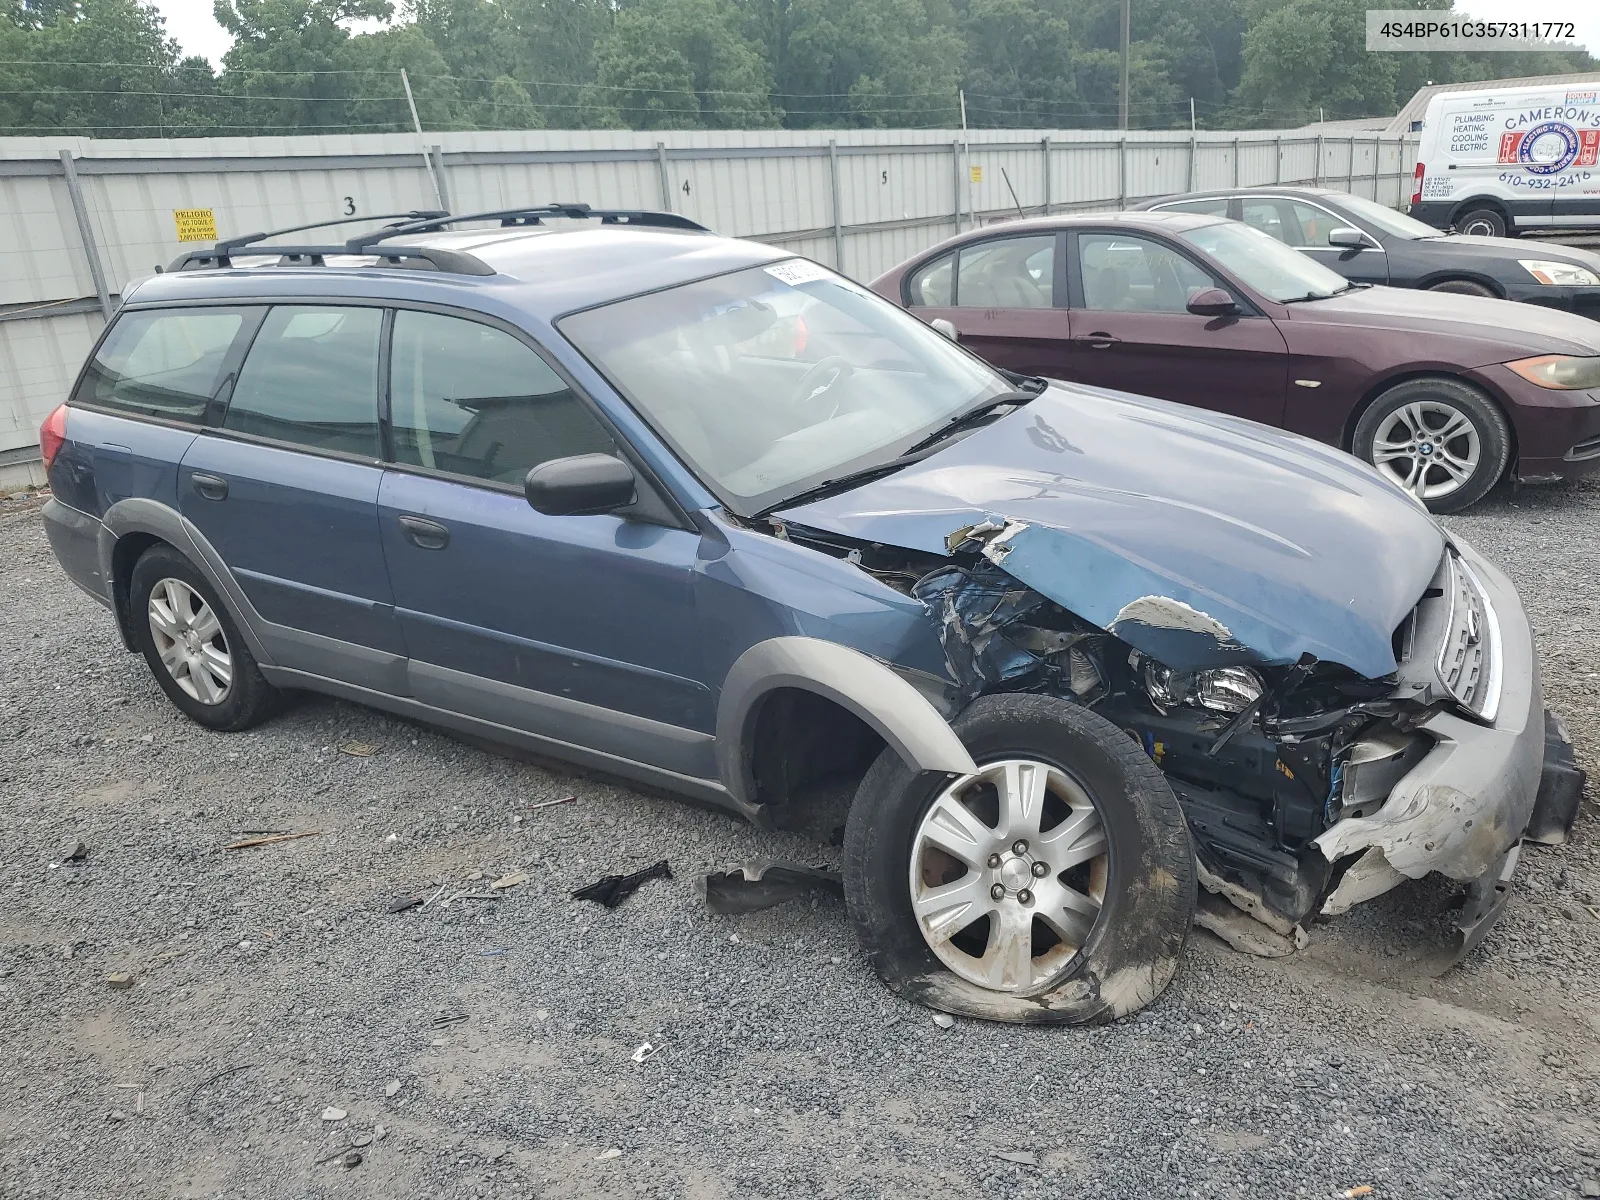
(195, 224)
(976, 173)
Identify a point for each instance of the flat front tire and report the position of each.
(1057, 885)
(193, 647)
(1442, 440)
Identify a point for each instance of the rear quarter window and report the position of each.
(162, 363)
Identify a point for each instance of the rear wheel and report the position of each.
(1482, 222)
(1054, 886)
(1463, 287)
(1442, 440)
(193, 647)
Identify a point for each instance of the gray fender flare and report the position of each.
(139, 515)
(890, 705)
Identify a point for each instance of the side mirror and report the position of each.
(1212, 302)
(1350, 239)
(582, 485)
(948, 328)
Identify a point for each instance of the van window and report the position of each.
(473, 400)
(162, 363)
(311, 378)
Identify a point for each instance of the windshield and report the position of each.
(1386, 219)
(1264, 263)
(771, 380)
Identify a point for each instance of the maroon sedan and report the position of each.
(1445, 394)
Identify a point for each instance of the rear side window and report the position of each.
(311, 378)
(931, 286)
(1014, 272)
(1216, 206)
(162, 363)
(473, 400)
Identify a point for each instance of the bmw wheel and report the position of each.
(1442, 440)
(1057, 884)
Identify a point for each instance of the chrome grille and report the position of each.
(1469, 652)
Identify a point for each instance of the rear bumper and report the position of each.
(75, 538)
(1464, 809)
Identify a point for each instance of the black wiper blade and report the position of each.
(977, 412)
(843, 483)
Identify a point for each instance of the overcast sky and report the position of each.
(191, 22)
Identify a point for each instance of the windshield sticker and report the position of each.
(799, 270)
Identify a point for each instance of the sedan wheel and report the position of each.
(190, 641)
(1440, 439)
(1430, 448)
(1008, 874)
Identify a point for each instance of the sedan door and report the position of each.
(577, 628)
(1005, 297)
(1306, 226)
(1132, 331)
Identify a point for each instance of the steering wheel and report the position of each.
(822, 377)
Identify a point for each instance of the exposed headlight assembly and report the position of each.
(1559, 274)
(1560, 372)
(1223, 690)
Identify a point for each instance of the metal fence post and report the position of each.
(1277, 159)
(838, 218)
(91, 251)
(666, 179)
(955, 174)
(1122, 174)
(1193, 147)
(445, 201)
(1044, 145)
(1316, 171)
(1350, 176)
(1377, 157)
(1235, 162)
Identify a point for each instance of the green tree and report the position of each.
(1019, 63)
(683, 64)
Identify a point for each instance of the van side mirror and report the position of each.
(580, 485)
(1212, 302)
(946, 327)
(1350, 239)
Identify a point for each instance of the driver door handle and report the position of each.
(425, 535)
(1100, 341)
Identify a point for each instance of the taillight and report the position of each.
(1416, 184)
(52, 434)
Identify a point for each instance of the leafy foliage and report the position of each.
(109, 68)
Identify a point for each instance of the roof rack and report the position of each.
(424, 257)
(514, 217)
(235, 243)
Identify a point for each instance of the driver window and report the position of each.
(1135, 274)
(473, 400)
(1016, 272)
(1314, 224)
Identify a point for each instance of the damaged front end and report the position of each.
(1309, 786)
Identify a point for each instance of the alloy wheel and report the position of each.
(190, 642)
(1008, 874)
(1429, 447)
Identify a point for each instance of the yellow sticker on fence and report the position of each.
(976, 174)
(195, 224)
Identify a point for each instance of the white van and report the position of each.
(1501, 160)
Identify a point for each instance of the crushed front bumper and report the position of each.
(1465, 808)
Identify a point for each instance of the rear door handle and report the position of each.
(212, 487)
(426, 535)
(1100, 341)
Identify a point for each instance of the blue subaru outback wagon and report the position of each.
(702, 514)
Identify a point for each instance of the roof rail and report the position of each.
(453, 261)
(234, 243)
(511, 217)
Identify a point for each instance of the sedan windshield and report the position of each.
(772, 380)
(1395, 224)
(1264, 263)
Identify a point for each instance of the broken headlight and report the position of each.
(1224, 690)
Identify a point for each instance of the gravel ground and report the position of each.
(272, 984)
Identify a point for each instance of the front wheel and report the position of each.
(1442, 440)
(1057, 885)
(1482, 222)
(1463, 287)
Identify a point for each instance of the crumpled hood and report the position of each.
(1202, 540)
